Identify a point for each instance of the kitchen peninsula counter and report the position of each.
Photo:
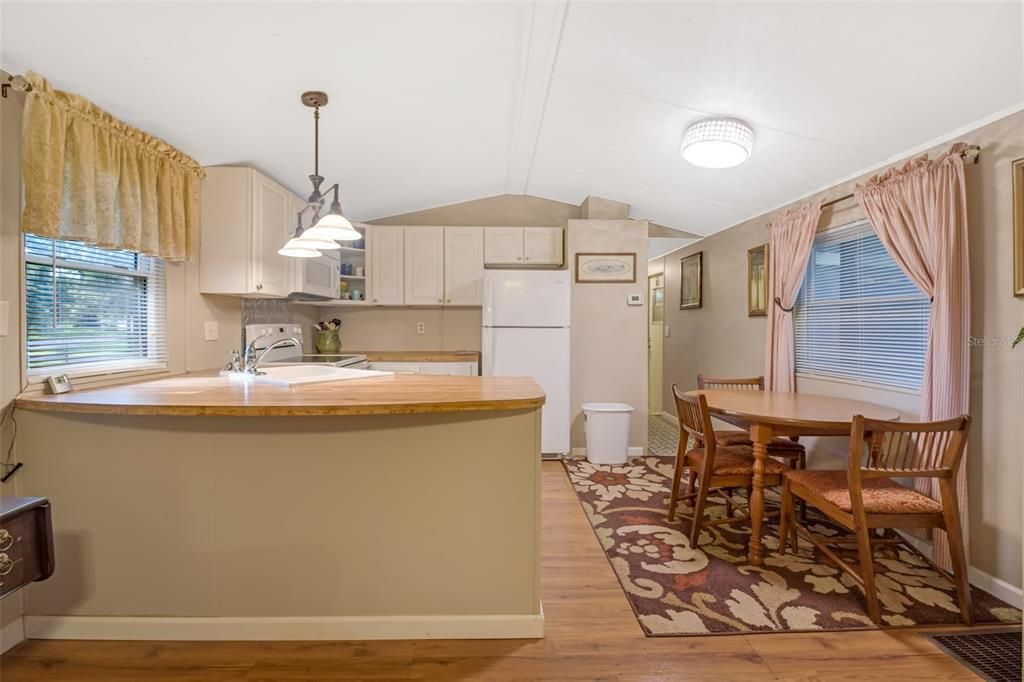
(192, 507)
(207, 394)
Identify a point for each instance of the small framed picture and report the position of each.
(757, 281)
(691, 281)
(1018, 227)
(605, 268)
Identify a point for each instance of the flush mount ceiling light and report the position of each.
(717, 143)
(328, 229)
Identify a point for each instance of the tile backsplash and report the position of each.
(265, 310)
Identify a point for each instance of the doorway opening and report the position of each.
(655, 342)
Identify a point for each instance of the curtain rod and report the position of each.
(972, 153)
(12, 81)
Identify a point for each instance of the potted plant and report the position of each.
(1020, 337)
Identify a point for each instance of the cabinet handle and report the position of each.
(374, 300)
(449, 300)
(5, 539)
(440, 301)
(259, 287)
(5, 564)
(519, 258)
(527, 258)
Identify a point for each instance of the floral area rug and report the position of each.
(676, 590)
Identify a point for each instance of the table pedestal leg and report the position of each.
(761, 435)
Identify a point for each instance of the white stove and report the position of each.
(267, 333)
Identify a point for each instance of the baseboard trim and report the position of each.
(1010, 594)
(631, 451)
(11, 634)
(298, 628)
(671, 418)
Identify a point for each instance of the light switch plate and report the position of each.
(668, 331)
(211, 331)
(5, 314)
(635, 299)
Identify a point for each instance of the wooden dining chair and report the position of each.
(865, 499)
(787, 449)
(711, 466)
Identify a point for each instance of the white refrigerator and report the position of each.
(526, 333)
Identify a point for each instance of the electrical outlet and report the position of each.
(421, 327)
(211, 331)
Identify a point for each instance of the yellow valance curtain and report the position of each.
(89, 177)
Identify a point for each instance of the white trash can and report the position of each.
(606, 426)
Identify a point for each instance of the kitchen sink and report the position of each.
(293, 375)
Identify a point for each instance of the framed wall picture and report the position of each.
(1018, 227)
(691, 281)
(606, 268)
(757, 281)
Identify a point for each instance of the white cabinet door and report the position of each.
(271, 274)
(463, 265)
(451, 369)
(424, 265)
(387, 270)
(503, 246)
(396, 367)
(542, 245)
(320, 276)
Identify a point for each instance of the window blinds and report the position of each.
(858, 317)
(90, 310)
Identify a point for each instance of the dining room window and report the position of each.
(90, 310)
(858, 317)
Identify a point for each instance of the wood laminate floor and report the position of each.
(591, 635)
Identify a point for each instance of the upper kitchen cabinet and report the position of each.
(503, 246)
(542, 246)
(424, 265)
(245, 218)
(523, 246)
(463, 265)
(386, 248)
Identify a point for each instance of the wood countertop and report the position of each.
(207, 394)
(417, 355)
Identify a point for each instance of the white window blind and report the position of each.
(92, 311)
(858, 316)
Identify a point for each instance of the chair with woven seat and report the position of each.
(787, 449)
(711, 466)
(865, 499)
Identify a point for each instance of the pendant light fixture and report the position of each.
(328, 229)
(717, 143)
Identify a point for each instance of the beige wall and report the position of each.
(395, 328)
(503, 209)
(302, 517)
(609, 338)
(10, 288)
(720, 339)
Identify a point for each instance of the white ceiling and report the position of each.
(435, 103)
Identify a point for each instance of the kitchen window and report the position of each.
(90, 310)
(858, 316)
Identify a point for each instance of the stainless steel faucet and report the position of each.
(253, 359)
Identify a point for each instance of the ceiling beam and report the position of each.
(542, 33)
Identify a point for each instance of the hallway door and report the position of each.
(655, 341)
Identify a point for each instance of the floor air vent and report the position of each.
(994, 656)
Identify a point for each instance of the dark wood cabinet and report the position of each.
(26, 542)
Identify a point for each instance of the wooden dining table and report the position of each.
(769, 414)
